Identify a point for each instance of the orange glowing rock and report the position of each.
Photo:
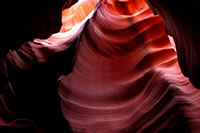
(76, 14)
(73, 20)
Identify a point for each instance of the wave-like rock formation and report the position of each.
(182, 23)
(120, 74)
(126, 77)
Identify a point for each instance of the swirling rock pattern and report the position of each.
(120, 74)
(182, 23)
(126, 77)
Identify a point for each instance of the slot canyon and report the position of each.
(114, 66)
